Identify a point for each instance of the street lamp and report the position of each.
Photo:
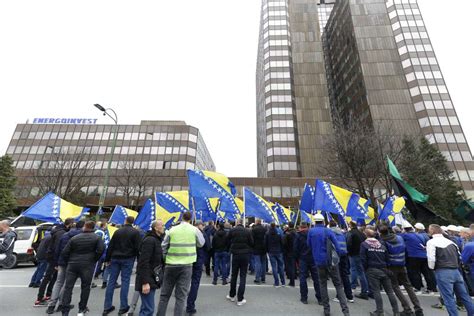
(114, 143)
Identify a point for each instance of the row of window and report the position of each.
(277, 98)
(276, 53)
(280, 165)
(281, 151)
(457, 156)
(275, 43)
(438, 121)
(279, 123)
(439, 105)
(410, 35)
(278, 111)
(103, 136)
(152, 165)
(277, 86)
(277, 75)
(415, 48)
(419, 61)
(280, 137)
(417, 90)
(276, 23)
(404, 12)
(449, 138)
(101, 150)
(464, 175)
(423, 75)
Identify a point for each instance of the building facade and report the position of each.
(152, 156)
(370, 59)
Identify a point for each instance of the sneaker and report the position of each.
(438, 306)
(30, 285)
(123, 311)
(60, 308)
(407, 313)
(232, 299)
(335, 300)
(283, 285)
(50, 310)
(257, 282)
(93, 285)
(362, 296)
(40, 303)
(224, 282)
(118, 286)
(35, 286)
(263, 281)
(242, 302)
(108, 311)
(214, 282)
(104, 285)
(376, 314)
(83, 312)
(461, 308)
(351, 300)
(191, 312)
(418, 292)
(276, 285)
(304, 301)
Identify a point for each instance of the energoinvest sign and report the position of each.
(77, 121)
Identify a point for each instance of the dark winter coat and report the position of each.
(125, 244)
(56, 233)
(258, 234)
(219, 242)
(151, 256)
(354, 238)
(273, 242)
(83, 249)
(43, 247)
(240, 241)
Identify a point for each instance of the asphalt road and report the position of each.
(17, 299)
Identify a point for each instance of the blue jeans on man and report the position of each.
(259, 267)
(450, 281)
(221, 259)
(38, 275)
(357, 272)
(308, 268)
(148, 304)
(278, 268)
(124, 268)
(344, 271)
(195, 281)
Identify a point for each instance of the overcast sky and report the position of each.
(172, 60)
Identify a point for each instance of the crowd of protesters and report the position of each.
(371, 258)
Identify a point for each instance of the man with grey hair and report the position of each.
(7, 244)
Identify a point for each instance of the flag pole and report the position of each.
(243, 192)
(194, 210)
(297, 215)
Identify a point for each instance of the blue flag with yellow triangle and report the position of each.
(120, 213)
(307, 199)
(51, 208)
(256, 206)
(146, 215)
(284, 214)
(170, 206)
(109, 232)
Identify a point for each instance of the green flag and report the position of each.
(415, 195)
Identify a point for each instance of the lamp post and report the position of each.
(114, 143)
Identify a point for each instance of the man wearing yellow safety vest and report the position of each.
(179, 250)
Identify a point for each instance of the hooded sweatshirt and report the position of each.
(373, 254)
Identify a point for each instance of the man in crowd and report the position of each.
(221, 256)
(60, 266)
(179, 249)
(416, 260)
(396, 252)
(289, 254)
(151, 257)
(306, 264)
(259, 254)
(443, 258)
(209, 231)
(240, 243)
(6, 246)
(274, 248)
(468, 260)
(354, 238)
(41, 260)
(80, 255)
(375, 258)
(121, 253)
(202, 255)
(344, 268)
(326, 260)
(51, 273)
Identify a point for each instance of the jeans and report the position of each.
(377, 278)
(278, 268)
(178, 276)
(85, 273)
(259, 261)
(344, 270)
(124, 268)
(195, 281)
(220, 265)
(417, 267)
(400, 277)
(148, 303)
(450, 281)
(134, 302)
(240, 264)
(48, 282)
(309, 268)
(290, 265)
(58, 289)
(251, 264)
(39, 272)
(324, 274)
(357, 272)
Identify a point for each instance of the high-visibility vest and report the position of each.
(182, 248)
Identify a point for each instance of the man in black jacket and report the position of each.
(240, 243)
(259, 254)
(221, 255)
(123, 249)
(354, 238)
(274, 247)
(289, 254)
(151, 257)
(40, 260)
(50, 275)
(80, 254)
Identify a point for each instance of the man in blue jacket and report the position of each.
(307, 266)
(325, 249)
(344, 268)
(468, 260)
(417, 261)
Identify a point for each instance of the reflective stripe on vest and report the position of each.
(182, 245)
(396, 252)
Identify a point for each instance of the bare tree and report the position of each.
(64, 173)
(132, 180)
(359, 150)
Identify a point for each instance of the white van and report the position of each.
(27, 236)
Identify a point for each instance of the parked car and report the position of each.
(27, 241)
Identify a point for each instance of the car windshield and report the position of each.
(23, 234)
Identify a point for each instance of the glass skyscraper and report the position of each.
(373, 58)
